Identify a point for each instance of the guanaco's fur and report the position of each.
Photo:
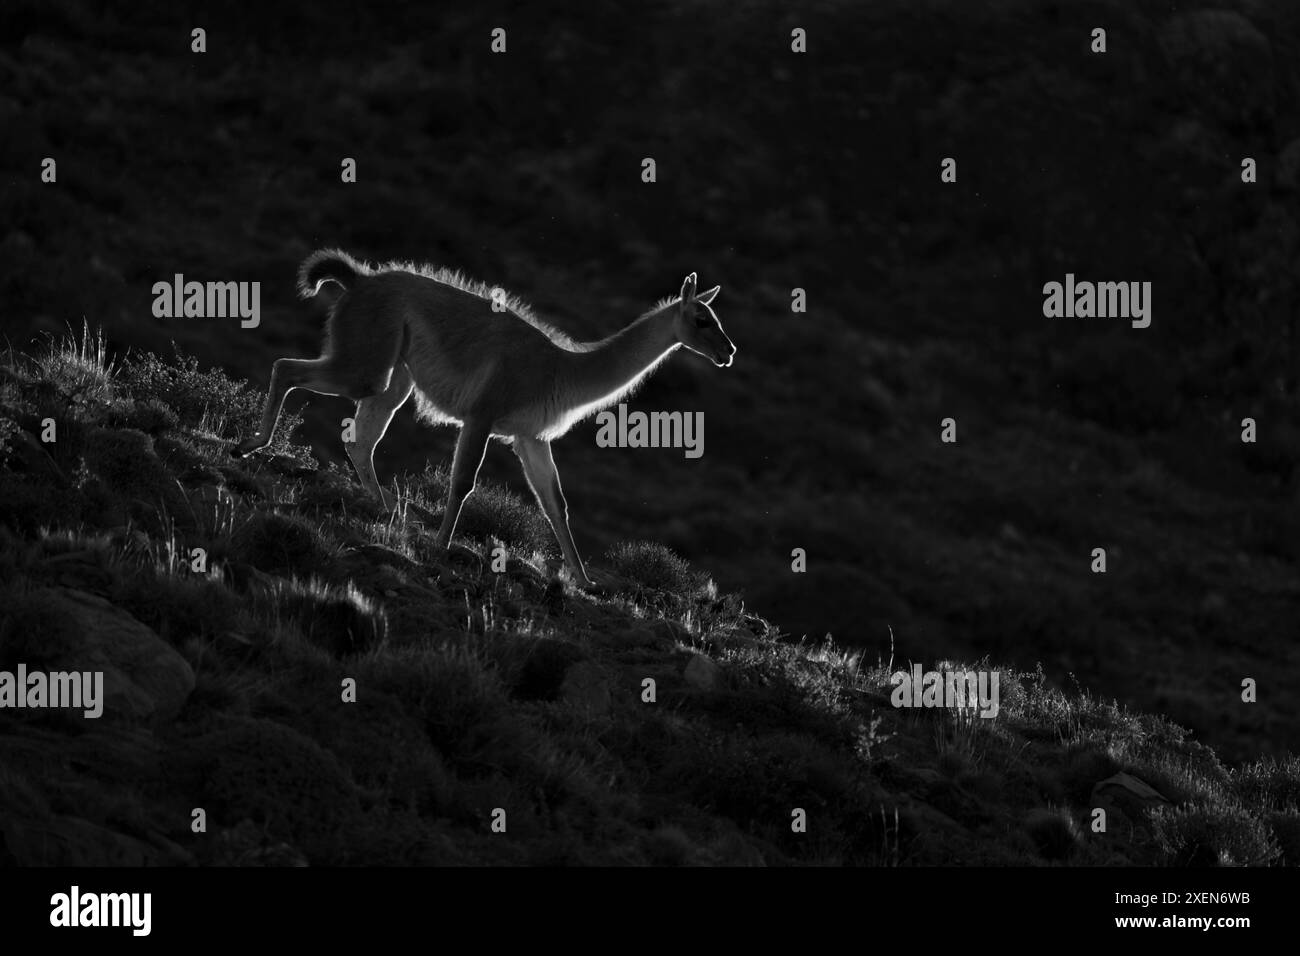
(401, 328)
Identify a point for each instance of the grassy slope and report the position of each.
(478, 690)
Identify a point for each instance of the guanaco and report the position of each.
(477, 357)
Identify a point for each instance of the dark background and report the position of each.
(775, 170)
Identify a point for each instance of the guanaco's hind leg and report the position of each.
(372, 419)
(316, 375)
(539, 468)
(471, 446)
(358, 364)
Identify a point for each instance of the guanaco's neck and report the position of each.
(609, 368)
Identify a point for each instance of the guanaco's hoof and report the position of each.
(593, 587)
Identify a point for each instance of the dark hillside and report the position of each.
(230, 604)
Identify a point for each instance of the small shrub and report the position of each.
(278, 543)
(79, 369)
(126, 462)
(179, 608)
(1082, 765)
(654, 567)
(541, 674)
(332, 489)
(462, 704)
(71, 434)
(1054, 833)
(208, 399)
(761, 778)
(340, 620)
(1212, 834)
(1270, 784)
(150, 415)
(276, 777)
(9, 430)
(492, 512)
(193, 393)
(1286, 829)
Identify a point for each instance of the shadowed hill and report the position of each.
(329, 688)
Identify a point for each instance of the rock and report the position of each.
(586, 686)
(86, 570)
(116, 754)
(701, 673)
(64, 629)
(1127, 794)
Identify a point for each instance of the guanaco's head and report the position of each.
(698, 327)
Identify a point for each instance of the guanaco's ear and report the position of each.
(688, 288)
(707, 297)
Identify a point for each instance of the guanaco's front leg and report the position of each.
(539, 468)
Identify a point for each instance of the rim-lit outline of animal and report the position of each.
(479, 358)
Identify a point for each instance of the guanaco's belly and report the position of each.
(440, 402)
(492, 374)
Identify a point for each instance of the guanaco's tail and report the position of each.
(329, 265)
